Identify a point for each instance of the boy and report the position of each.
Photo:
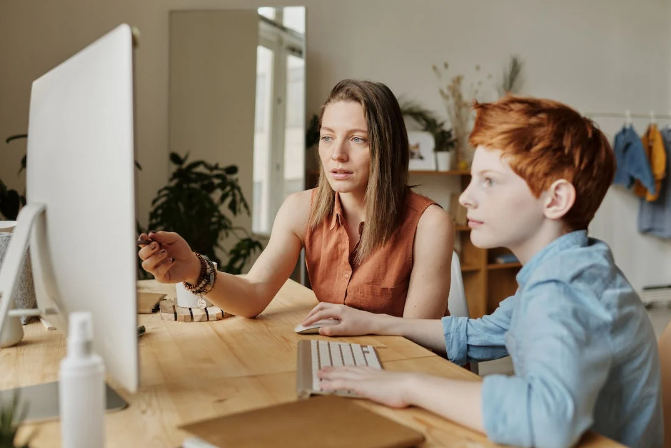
(584, 351)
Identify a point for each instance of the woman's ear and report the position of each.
(559, 199)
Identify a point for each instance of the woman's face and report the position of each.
(344, 147)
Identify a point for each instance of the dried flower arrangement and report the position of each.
(459, 111)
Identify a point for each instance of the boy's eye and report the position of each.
(488, 182)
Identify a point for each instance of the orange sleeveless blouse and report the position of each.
(380, 283)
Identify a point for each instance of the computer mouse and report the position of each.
(314, 328)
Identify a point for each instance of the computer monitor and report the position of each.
(80, 211)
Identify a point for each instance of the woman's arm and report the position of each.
(432, 259)
(170, 259)
(250, 295)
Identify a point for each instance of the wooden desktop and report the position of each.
(199, 370)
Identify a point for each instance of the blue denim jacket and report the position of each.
(583, 348)
(632, 162)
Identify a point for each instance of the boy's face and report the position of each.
(502, 211)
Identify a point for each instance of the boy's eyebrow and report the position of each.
(481, 172)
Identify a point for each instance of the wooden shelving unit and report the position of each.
(486, 282)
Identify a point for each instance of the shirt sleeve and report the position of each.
(478, 339)
(565, 357)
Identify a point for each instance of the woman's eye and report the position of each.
(325, 138)
(358, 140)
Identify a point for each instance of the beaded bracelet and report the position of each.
(206, 278)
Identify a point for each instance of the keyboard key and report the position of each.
(347, 356)
(336, 356)
(324, 354)
(371, 357)
(359, 357)
(315, 365)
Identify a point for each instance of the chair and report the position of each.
(456, 303)
(664, 347)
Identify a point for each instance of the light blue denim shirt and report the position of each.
(583, 348)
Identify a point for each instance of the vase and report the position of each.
(444, 160)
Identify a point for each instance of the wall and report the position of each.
(212, 91)
(601, 55)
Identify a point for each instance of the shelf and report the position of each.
(444, 173)
(462, 228)
(504, 265)
(469, 268)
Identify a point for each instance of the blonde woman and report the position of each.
(370, 242)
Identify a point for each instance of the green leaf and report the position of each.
(23, 163)
(10, 205)
(16, 137)
(177, 160)
(231, 170)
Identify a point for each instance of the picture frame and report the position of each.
(421, 149)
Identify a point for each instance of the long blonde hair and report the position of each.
(388, 172)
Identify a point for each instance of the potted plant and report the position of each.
(193, 204)
(12, 414)
(11, 200)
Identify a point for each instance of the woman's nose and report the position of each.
(338, 152)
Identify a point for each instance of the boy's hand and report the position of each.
(353, 322)
(388, 388)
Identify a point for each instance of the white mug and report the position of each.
(187, 299)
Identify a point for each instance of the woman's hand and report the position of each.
(388, 388)
(169, 258)
(353, 322)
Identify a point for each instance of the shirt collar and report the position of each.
(577, 238)
(337, 215)
(337, 212)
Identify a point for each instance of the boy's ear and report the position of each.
(559, 199)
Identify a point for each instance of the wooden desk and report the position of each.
(193, 371)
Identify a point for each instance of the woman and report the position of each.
(369, 241)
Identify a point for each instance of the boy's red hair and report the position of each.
(544, 141)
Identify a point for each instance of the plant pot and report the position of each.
(444, 160)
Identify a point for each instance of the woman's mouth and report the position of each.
(340, 174)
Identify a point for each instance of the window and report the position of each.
(279, 136)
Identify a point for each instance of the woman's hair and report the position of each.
(388, 172)
(544, 141)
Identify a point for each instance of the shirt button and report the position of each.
(347, 275)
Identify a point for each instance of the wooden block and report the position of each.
(183, 314)
(168, 316)
(199, 315)
(215, 313)
(167, 310)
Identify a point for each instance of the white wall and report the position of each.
(601, 55)
(212, 91)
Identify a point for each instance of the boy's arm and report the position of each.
(564, 356)
(478, 339)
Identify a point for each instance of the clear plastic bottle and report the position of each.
(82, 388)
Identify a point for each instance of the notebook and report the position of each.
(325, 422)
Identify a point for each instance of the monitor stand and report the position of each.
(42, 400)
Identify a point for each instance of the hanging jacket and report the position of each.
(632, 162)
(654, 150)
(655, 217)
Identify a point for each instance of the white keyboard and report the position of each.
(314, 355)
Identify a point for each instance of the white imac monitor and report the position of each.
(80, 212)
